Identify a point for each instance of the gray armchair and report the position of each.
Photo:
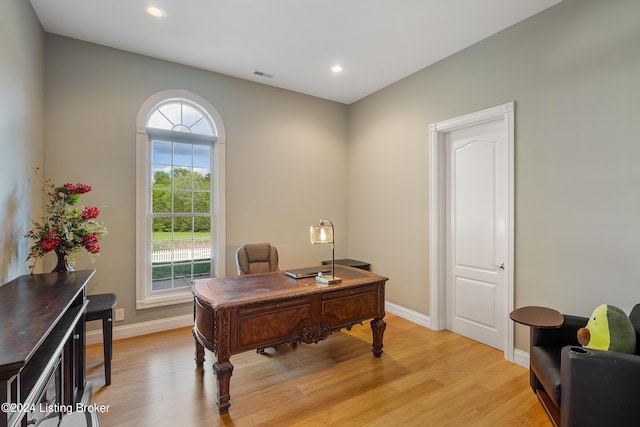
(585, 387)
(256, 258)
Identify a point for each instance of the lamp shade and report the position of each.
(322, 233)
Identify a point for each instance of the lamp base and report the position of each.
(328, 279)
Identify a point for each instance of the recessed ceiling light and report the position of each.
(336, 69)
(156, 11)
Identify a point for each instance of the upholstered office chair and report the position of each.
(256, 258)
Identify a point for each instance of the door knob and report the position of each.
(501, 266)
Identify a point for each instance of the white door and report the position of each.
(476, 180)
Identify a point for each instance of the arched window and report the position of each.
(180, 197)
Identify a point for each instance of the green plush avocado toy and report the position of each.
(608, 328)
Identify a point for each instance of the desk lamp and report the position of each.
(323, 233)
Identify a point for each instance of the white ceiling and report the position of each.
(377, 42)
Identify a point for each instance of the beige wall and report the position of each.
(21, 130)
(573, 72)
(274, 192)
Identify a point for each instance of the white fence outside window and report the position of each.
(177, 255)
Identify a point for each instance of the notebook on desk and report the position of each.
(299, 273)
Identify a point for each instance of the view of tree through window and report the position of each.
(180, 199)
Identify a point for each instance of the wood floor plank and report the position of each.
(424, 378)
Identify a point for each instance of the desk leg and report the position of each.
(223, 371)
(377, 326)
(199, 351)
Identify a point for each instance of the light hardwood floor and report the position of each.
(424, 378)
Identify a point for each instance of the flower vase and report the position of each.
(63, 263)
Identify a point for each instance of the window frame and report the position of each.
(144, 297)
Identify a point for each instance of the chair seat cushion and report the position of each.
(545, 363)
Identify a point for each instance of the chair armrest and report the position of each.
(567, 334)
(599, 387)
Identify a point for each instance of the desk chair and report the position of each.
(100, 307)
(256, 258)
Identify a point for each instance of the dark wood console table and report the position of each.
(42, 346)
(254, 311)
(350, 263)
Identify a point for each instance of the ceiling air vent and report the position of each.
(261, 74)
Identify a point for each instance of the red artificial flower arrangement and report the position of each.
(66, 228)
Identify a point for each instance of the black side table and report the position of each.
(100, 307)
(350, 263)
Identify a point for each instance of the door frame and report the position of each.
(437, 214)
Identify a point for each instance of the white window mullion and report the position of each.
(165, 112)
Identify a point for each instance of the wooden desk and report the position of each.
(253, 311)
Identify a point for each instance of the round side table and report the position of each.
(537, 317)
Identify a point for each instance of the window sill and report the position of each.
(161, 300)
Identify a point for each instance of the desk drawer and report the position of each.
(267, 324)
(350, 305)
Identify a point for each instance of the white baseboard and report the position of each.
(128, 331)
(521, 358)
(142, 328)
(405, 313)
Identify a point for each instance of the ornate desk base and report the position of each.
(309, 315)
